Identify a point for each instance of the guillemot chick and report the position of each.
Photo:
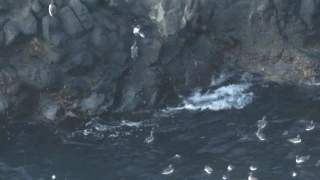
(52, 9)
(301, 159)
(207, 169)
(137, 32)
(311, 126)
(295, 140)
(168, 170)
(134, 50)
(262, 123)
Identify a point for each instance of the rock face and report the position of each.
(50, 108)
(80, 58)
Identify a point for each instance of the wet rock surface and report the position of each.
(80, 57)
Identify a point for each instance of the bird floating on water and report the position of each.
(134, 50)
(207, 169)
(230, 167)
(137, 32)
(224, 177)
(150, 138)
(294, 174)
(301, 159)
(311, 126)
(262, 123)
(251, 177)
(260, 135)
(253, 168)
(168, 170)
(295, 140)
(52, 9)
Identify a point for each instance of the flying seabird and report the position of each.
(52, 9)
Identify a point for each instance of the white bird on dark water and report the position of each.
(251, 177)
(150, 138)
(311, 126)
(294, 174)
(262, 123)
(230, 167)
(134, 50)
(168, 170)
(137, 32)
(301, 159)
(52, 9)
(207, 169)
(295, 140)
(260, 135)
(253, 168)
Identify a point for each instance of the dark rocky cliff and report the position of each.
(78, 62)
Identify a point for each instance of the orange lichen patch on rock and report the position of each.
(35, 47)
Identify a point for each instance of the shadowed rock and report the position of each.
(74, 87)
(27, 24)
(87, 47)
(102, 17)
(70, 23)
(49, 108)
(52, 31)
(82, 14)
(3, 104)
(78, 64)
(9, 81)
(11, 32)
(36, 73)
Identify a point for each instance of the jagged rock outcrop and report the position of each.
(80, 57)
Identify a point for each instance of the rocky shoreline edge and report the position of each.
(78, 62)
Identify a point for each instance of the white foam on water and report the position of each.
(130, 124)
(234, 96)
(312, 82)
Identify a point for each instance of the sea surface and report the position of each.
(214, 126)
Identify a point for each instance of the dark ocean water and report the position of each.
(215, 126)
